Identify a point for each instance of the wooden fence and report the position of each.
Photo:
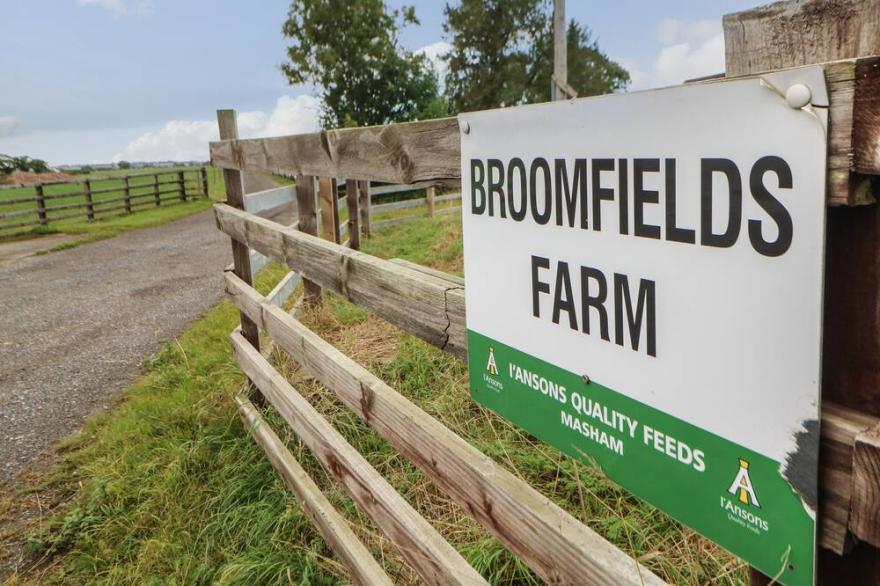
(431, 306)
(25, 207)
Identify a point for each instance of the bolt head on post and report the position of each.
(798, 96)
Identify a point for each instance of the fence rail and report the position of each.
(96, 198)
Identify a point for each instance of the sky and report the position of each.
(91, 81)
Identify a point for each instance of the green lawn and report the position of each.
(111, 217)
(169, 488)
(112, 222)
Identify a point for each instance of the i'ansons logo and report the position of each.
(744, 491)
(491, 374)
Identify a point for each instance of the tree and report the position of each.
(502, 55)
(124, 165)
(349, 50)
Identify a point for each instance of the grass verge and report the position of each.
(168, 486)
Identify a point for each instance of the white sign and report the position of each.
(666, 246)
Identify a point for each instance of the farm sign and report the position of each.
(644, 291)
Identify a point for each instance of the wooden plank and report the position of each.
(552, 542)
(430, 193)
(156, 181)
(400, 153)
(851, 83)
(181, 186)
(788, 34)
(204, 177)
(364, 203)
(241, 257)
(453, 279)
(409, 218)
(41, 203)
(354, 230)
(424, 306)
(328, 195)
(865, 521)
(308, 224)
(127, 196)
(87, 193)
(330, 524)
(424, 549)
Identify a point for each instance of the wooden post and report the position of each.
(802, 33)
(429, 200)
(204, 176)
(354, 230)
(127, 189)
(364, 203)
(241, 255)
(156, 189)
(181, 186)
(308, 223)
(87, 192)
(329, 196)
(41, 204)
(560, 52)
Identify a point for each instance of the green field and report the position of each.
(113, 221)
(168, 487)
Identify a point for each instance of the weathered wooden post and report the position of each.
(241, 256)
(156, 194)
(354, 230)
(181, 186)
(791, 34)
(41, 204)
(329, 196)
(364, 203)
(127, 192)
(429, 200)
(87, 192)
(308, 223)
(560, 52)
(204, 176)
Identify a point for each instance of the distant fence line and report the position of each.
(97, 197)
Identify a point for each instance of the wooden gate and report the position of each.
(430, 305)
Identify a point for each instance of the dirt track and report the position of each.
(76, 325)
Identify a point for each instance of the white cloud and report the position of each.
(434, 53)
(119, 8)
(689, 49)
(8, 124)
(187, 140)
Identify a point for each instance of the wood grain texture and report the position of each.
(398, 153)
(354, 215)
(424, 549)
(800, 32)
(865, 521)
(365, 206)
(552, 542)
(414, 301)
(328, 195)
(87, 193)
(427, 307)
(241, 256)
(330, 524)
(41, 203)
(430, 193)
(308, 224)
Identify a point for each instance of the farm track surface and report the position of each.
(77, 324)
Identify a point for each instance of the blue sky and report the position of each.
(97, 80)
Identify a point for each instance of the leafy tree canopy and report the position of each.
(502, 55)
(349, 50)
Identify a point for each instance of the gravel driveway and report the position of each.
(76, 325)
